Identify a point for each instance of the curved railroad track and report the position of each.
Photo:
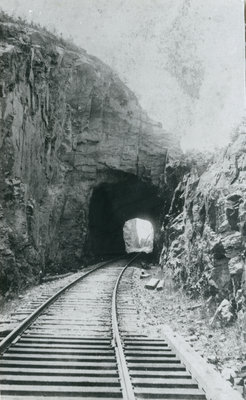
(77, 345)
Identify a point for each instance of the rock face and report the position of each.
(68, 125)
(205, 241)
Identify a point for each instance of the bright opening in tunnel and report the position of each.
(138, 236)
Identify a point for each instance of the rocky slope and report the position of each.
(68, 124)
(206, 232)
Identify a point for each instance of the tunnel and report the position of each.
(111, 205)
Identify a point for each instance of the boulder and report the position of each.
(229, 374)
(223, 313)
(232, 244)
(235, 265)
(152, 283)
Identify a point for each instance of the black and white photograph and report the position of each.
(122, 200)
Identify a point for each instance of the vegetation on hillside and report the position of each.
(23, 23)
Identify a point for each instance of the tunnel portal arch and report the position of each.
(111, 205)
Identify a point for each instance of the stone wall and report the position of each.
(67, 125)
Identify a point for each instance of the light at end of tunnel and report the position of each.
(144, 229)
(138, 235)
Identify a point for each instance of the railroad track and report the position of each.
(30, 305)
(77, 345)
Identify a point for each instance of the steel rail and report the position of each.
(137, 366)
(127, 389)
(17, 332)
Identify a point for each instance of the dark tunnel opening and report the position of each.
(111, 205)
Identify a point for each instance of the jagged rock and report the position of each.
(229, 374)
(213, 360)
(235, 265)
(69, 126)
(144, 275)
(239, 299)
(211, 254)
(232, 244)
(223, 312)
(152, 283)
(238, 381)
(160, 285)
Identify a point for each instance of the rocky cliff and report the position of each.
(68, 124)
(205, 233)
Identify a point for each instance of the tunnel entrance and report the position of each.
(111, 205)
(138, 236)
